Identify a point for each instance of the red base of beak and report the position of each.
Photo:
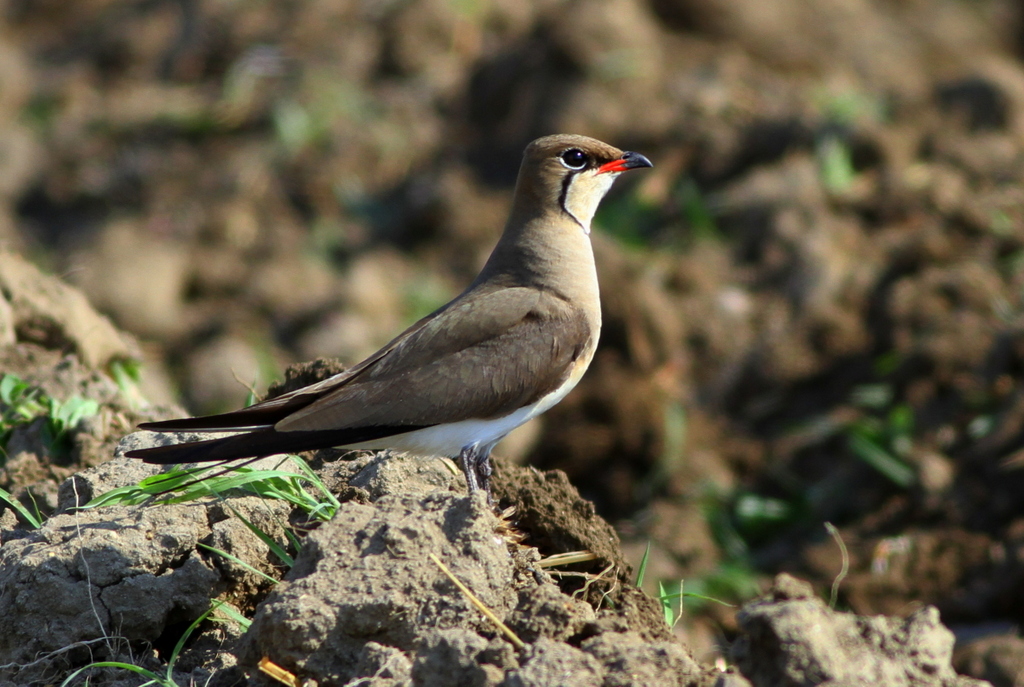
(629, 160)
(613, 166)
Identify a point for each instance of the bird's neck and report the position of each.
(551, 252)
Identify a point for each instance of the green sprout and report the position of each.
(883, 442)
(21, 403)
(667, 598)
(835, 164)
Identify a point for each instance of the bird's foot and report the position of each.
(476, 465)
(484, 470)
(467, 461)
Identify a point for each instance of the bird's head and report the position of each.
(570, 174)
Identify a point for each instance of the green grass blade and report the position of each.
(233, 615)
(184, 638)
(314, 478)
(25, 513)
(7, 386)
(166, 483)
(242, 563)
(666, 605)
(154, 485)
(643, 565)
(693, 595)
(898, 472)
(179, 486)
(139, 670)
(275, 548)
(127, 373)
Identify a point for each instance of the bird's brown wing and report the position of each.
(521, 340)
(479, 358)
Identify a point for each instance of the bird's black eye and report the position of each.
(574, 158)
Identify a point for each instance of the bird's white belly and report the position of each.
(449, 439)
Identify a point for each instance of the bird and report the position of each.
(505, 350)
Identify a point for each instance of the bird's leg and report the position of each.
(484, 472)
(475, 462)
(467, 461)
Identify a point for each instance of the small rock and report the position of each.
(825, 646)
(452, 657)
(547, 612)
(7, 333)
(999, 659)
(629, 660)
(48, 312)
(788, 588)
(392, 473)
(219, 371)
(118, 472)
(383, 666)
(139, 278)
(548, 663)
(732, 679)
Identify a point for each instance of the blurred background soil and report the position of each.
(813, 303)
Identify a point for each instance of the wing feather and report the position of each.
(522, 345)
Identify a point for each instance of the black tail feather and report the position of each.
(260, 442)
(210, 450)
(261, 415)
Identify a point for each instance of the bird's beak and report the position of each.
(629, 160)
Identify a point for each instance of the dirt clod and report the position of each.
(52, 314)
(548, 662)
(120, 573)
(554, 517)
(454, 657)
(825, 646)
(363, 575)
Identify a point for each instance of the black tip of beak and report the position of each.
(635, 160)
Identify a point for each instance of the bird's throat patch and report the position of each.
(581, 194)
